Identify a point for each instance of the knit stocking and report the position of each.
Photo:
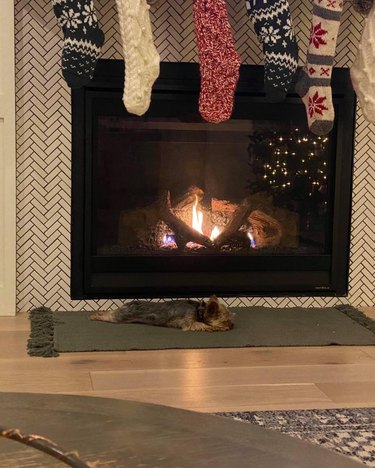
(273, 26)
(314, 84)
(363, 69)
(219, 61)
(83, 40)
(142, 60)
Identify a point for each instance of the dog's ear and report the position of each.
(213, 298)
(213, 306)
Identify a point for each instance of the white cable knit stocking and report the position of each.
(140, 55)
(362, 71)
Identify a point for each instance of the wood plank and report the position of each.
(369, 350)
(248, 406)
(214, 397)
(8, 190)
(13, 344)
(369, 311)
(349, 392)
(281, 407)
(18, 323)
(156, 379)
(224, 357)
(182, 359)
(48, 381)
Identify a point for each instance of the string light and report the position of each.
(281, 168)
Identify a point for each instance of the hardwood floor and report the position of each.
(205, 380)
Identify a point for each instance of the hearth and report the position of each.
(170, 205)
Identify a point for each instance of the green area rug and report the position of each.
(54, 332)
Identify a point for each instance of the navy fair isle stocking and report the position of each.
(83, 40)
(273, 26)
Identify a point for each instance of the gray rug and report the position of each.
(347, 431)
(53, 332)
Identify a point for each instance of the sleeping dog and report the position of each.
(185, 314)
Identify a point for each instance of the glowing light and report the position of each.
(197, 217)
(215, 233)
(251, 238)
(169, 241)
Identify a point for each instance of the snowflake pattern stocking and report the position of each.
(314, 83)
(273, 26)
(83, 40)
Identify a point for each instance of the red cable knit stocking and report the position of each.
(219, 61)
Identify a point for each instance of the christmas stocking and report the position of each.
(314, 83)
(218, 59)
(273, 26)
(363, 69)
(142, 60)
(83, 40)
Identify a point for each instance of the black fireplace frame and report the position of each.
(94, 277)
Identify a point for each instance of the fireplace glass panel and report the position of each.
(171, 184)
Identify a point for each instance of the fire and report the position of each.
(215, 233)
(251, 238)
(197, 221)
(169, 240)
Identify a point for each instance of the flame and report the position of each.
(197, 218)
(215, 233)
(251, 238)
(169, 241)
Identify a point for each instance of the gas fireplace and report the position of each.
(170, 205)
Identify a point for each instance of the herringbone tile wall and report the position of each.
(44, 137)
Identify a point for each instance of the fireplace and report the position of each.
(168, 205)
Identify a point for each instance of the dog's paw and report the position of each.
(199, 327)
(100, 315)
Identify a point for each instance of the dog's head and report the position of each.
(217, 315)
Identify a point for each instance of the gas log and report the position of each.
(238, 218)
(188, 198)
(147, 227)
(266, 231)
(183, 233)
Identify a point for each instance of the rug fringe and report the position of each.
(41, 341)
(357, 316)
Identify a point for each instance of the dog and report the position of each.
(186, 315)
